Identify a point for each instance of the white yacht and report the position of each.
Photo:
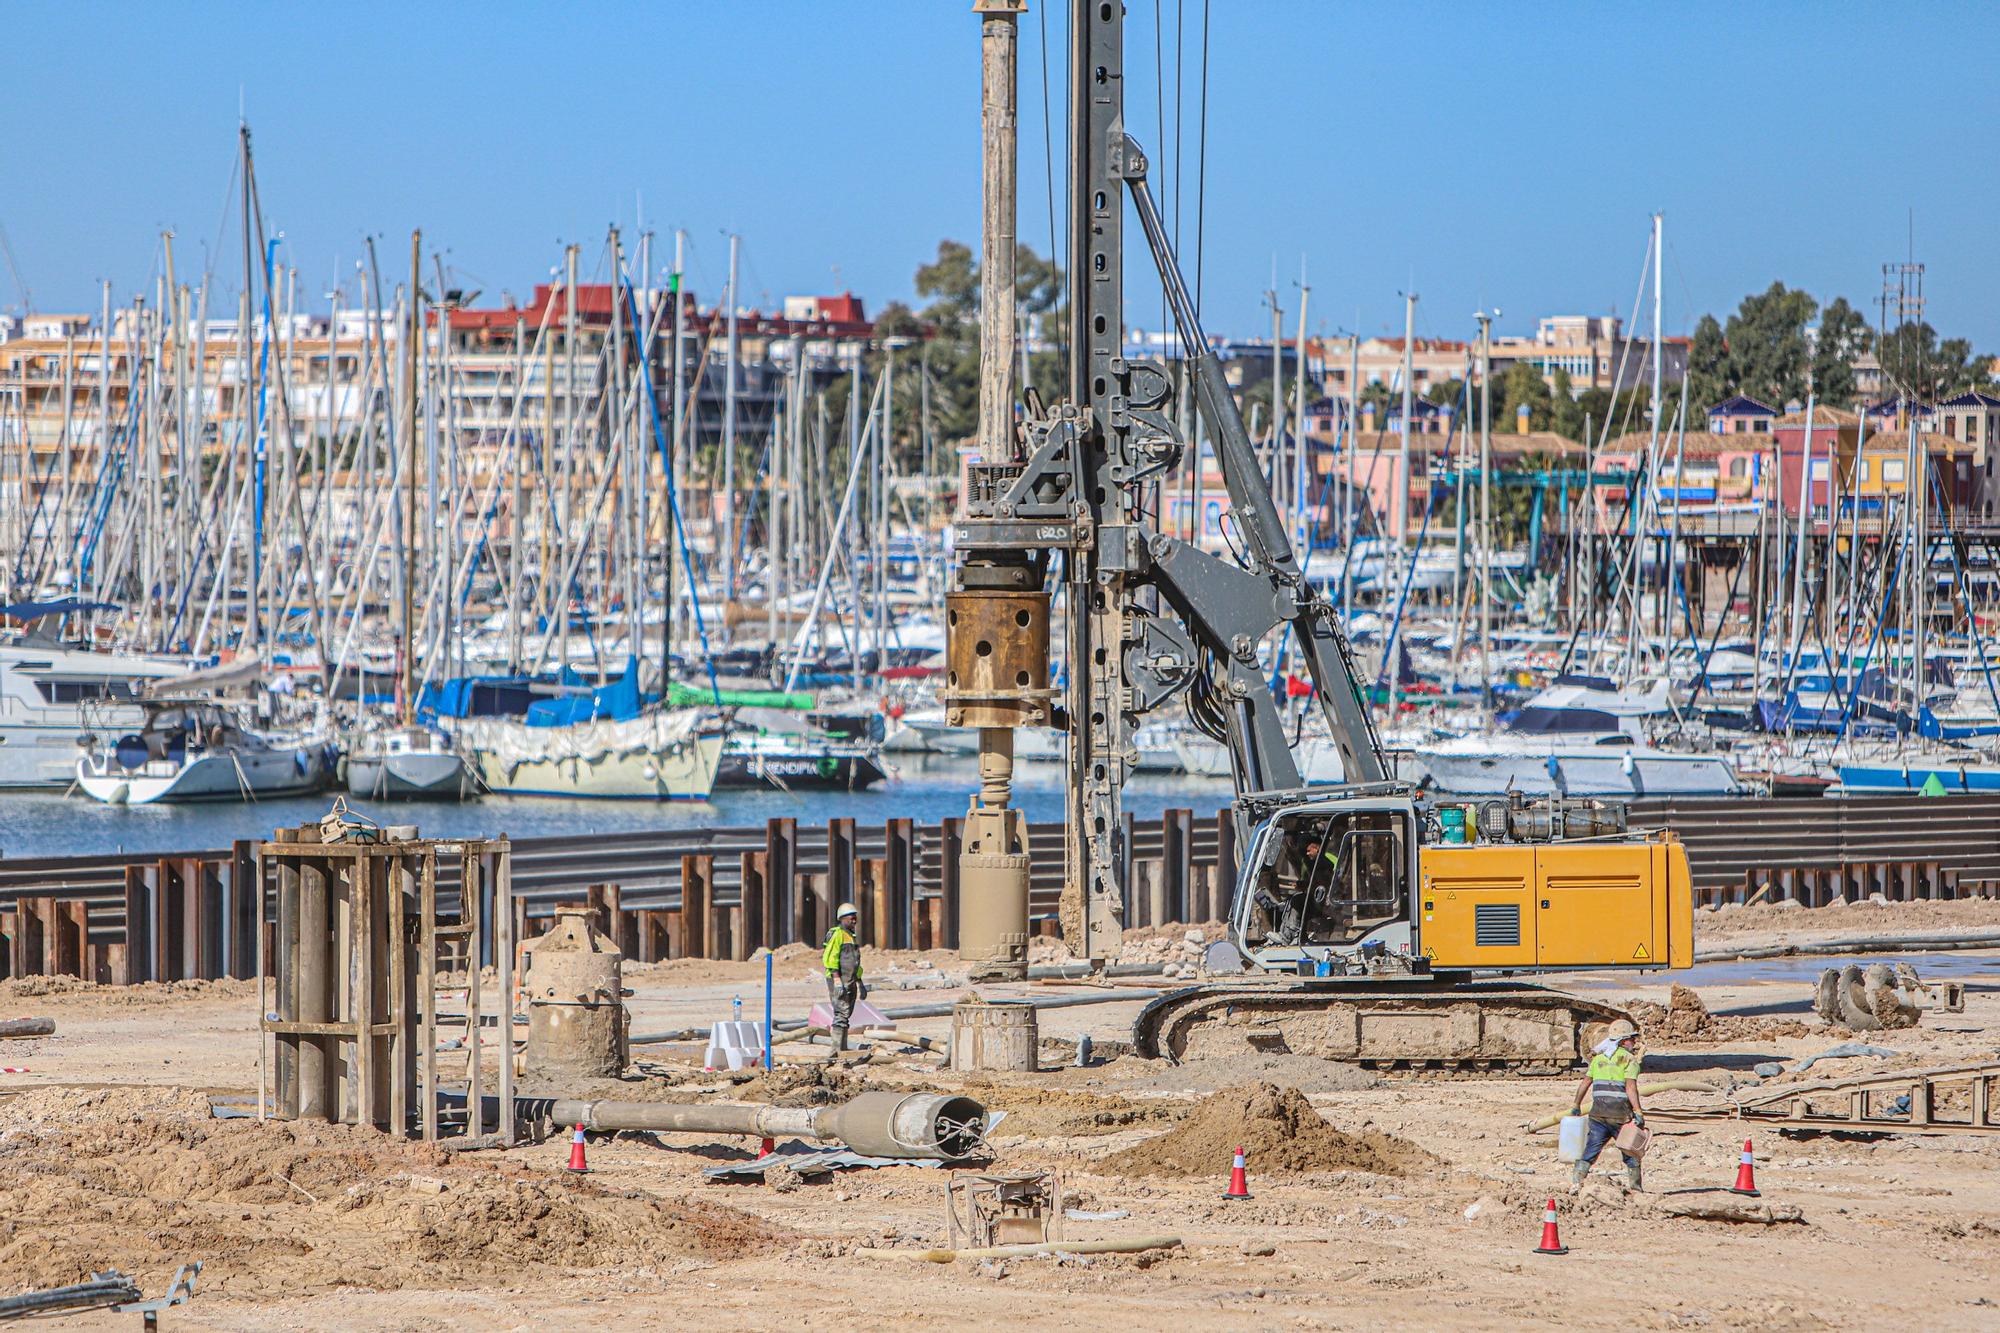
(1575, 740)
(51, 697)
(1202, 756)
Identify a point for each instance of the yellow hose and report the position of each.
(1645, 1090)
(1040, 1247)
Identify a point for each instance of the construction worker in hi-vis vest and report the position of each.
(842, 960)
(1612, 1086)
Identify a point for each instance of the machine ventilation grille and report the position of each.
(1496, 925)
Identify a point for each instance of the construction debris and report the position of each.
(1685, 1021)
(784, 1167)
(1723, 1208)
(27, 1027)
(1020, 1208)
(1880, 996)
(1133, 1246)
(1847, 1050)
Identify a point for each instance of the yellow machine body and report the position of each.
(1558, 905)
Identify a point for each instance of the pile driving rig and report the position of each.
(1366, 936)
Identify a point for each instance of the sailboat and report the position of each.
(612, 743)
(203, 750)
(407, 762)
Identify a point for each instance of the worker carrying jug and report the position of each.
(1611, 1086)
(842, 960)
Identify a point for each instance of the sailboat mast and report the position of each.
(1400, 515)
(1486, 506)
(726, 557)
(405, 698)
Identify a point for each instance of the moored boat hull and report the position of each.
(410, 777)
(687, 773)
(211, 777)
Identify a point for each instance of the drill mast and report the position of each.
(1072, 484)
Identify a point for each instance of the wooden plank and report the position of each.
(502, 868)
(473, 894)
(401, 1056)
(427, 1036)
(362, 933)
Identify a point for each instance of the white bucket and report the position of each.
(1572, 1136)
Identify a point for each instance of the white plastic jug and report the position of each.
(1571, 1136)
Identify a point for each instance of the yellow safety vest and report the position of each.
(1608, 1075)
(837, 938)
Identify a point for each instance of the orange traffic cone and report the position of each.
(576, 1162)
(1746, 1174)
(1551, 1241)
(1239, 1180)
(769, 1146)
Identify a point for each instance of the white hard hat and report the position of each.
(846, 909)
(1622, 1029)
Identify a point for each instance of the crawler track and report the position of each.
(1423, 1027)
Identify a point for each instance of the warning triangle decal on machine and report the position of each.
(1640, 953)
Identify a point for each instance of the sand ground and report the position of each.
(108, 1158)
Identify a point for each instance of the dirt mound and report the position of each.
(47, 1108)
(1049, 1111)
(1685, 1021)
(1278, 1129)
(141, 1181)
(145, 992)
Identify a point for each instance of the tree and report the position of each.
(1711, 378)
(1917, 363)
(1522, 386)
(1565, 412)
(1843, 336)
(950, 284)
(1378, 395)
(1768, 353)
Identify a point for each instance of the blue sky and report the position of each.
(1488, 155)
